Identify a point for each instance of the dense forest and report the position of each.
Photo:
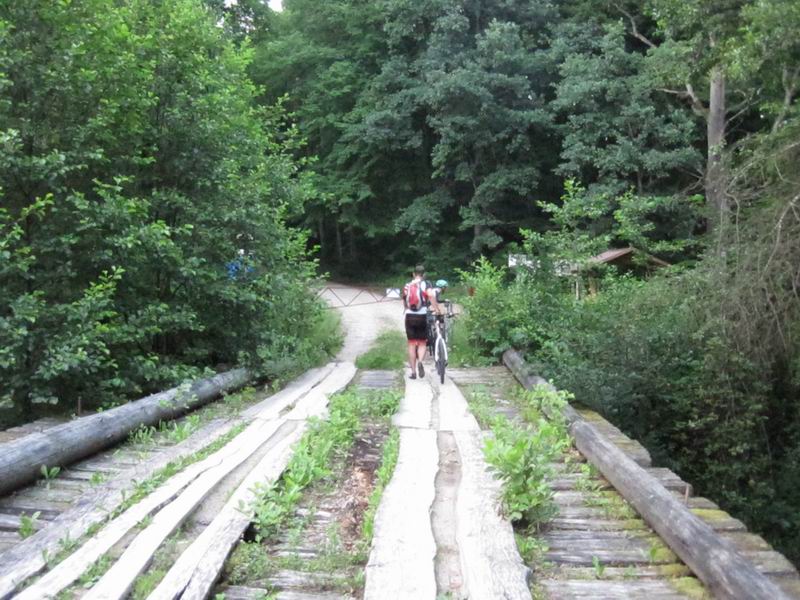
(171, 171)
(145, 198)
(557, 130)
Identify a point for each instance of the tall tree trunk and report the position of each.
(339, 249)
(715, 176)
(477, 232)
(351, 243)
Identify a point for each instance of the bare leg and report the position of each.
(412, 356)
(422, 349)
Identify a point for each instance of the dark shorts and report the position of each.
(416, 328)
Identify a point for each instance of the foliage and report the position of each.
(27, 524)
(135, 168)
(320, 446)
(424, 117)
(391, 450)
(618, 132)
(522, 457)
(461, 352)
(248, 562)
(700, 365)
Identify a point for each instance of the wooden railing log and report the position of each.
(21, 460)
(714, 560)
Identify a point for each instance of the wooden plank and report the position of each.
(21, 460)
(23, 504)
(195, 572)
(199, 566)
(403, 548)
(585, 557)
(718, 520)
(377, 379)
(790, 585)
(119, 579)
(454, 413)
(610, 590)
(272, 407)
(13, 522)
(611, 547)
(729, 574)
(66, 572)
(50, 495)
(94, 506)
(771, 562)
(416, 405)
(314, 404)
(236, 592)
(595, 524)
(9, 537)
(610, 572)
(490, 562)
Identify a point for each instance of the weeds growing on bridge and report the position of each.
(317, 472)
(391, 449)
(521, 452)
(323, 444)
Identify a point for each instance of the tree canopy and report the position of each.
(136, 167)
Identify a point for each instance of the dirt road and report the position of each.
(365, 314)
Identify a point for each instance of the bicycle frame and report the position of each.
(438, 328)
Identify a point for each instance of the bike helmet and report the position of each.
(441, 283)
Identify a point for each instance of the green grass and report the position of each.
(321, 447)
(391, 450)
(388, 352)
(322, 343)
(462, 352)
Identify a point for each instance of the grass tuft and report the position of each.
(388, 352)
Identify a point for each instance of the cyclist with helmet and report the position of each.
(437, 310)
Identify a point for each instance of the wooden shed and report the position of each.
(627, 260)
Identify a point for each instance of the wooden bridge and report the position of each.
(628, 530)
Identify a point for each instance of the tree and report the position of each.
(322, 55)
(618, 133)
(696, 37)
(137, 165)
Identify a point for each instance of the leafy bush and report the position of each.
(143, 235)
(522, 457)
(700, 365)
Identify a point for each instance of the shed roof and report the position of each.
(613, 254)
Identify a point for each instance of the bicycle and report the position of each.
(441, 330)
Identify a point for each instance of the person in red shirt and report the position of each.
(417, 298)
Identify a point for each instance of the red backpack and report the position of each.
(414, 295)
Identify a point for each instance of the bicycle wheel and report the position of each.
(441, 357)
(448, 330)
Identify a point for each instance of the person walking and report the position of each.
(415, 308)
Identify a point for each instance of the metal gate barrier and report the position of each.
(345, 297)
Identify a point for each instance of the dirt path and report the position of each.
(364, 317)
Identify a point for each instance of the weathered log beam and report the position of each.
(21, 460)
(714, 560)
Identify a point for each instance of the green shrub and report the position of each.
(124, 209)
(522, 457)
